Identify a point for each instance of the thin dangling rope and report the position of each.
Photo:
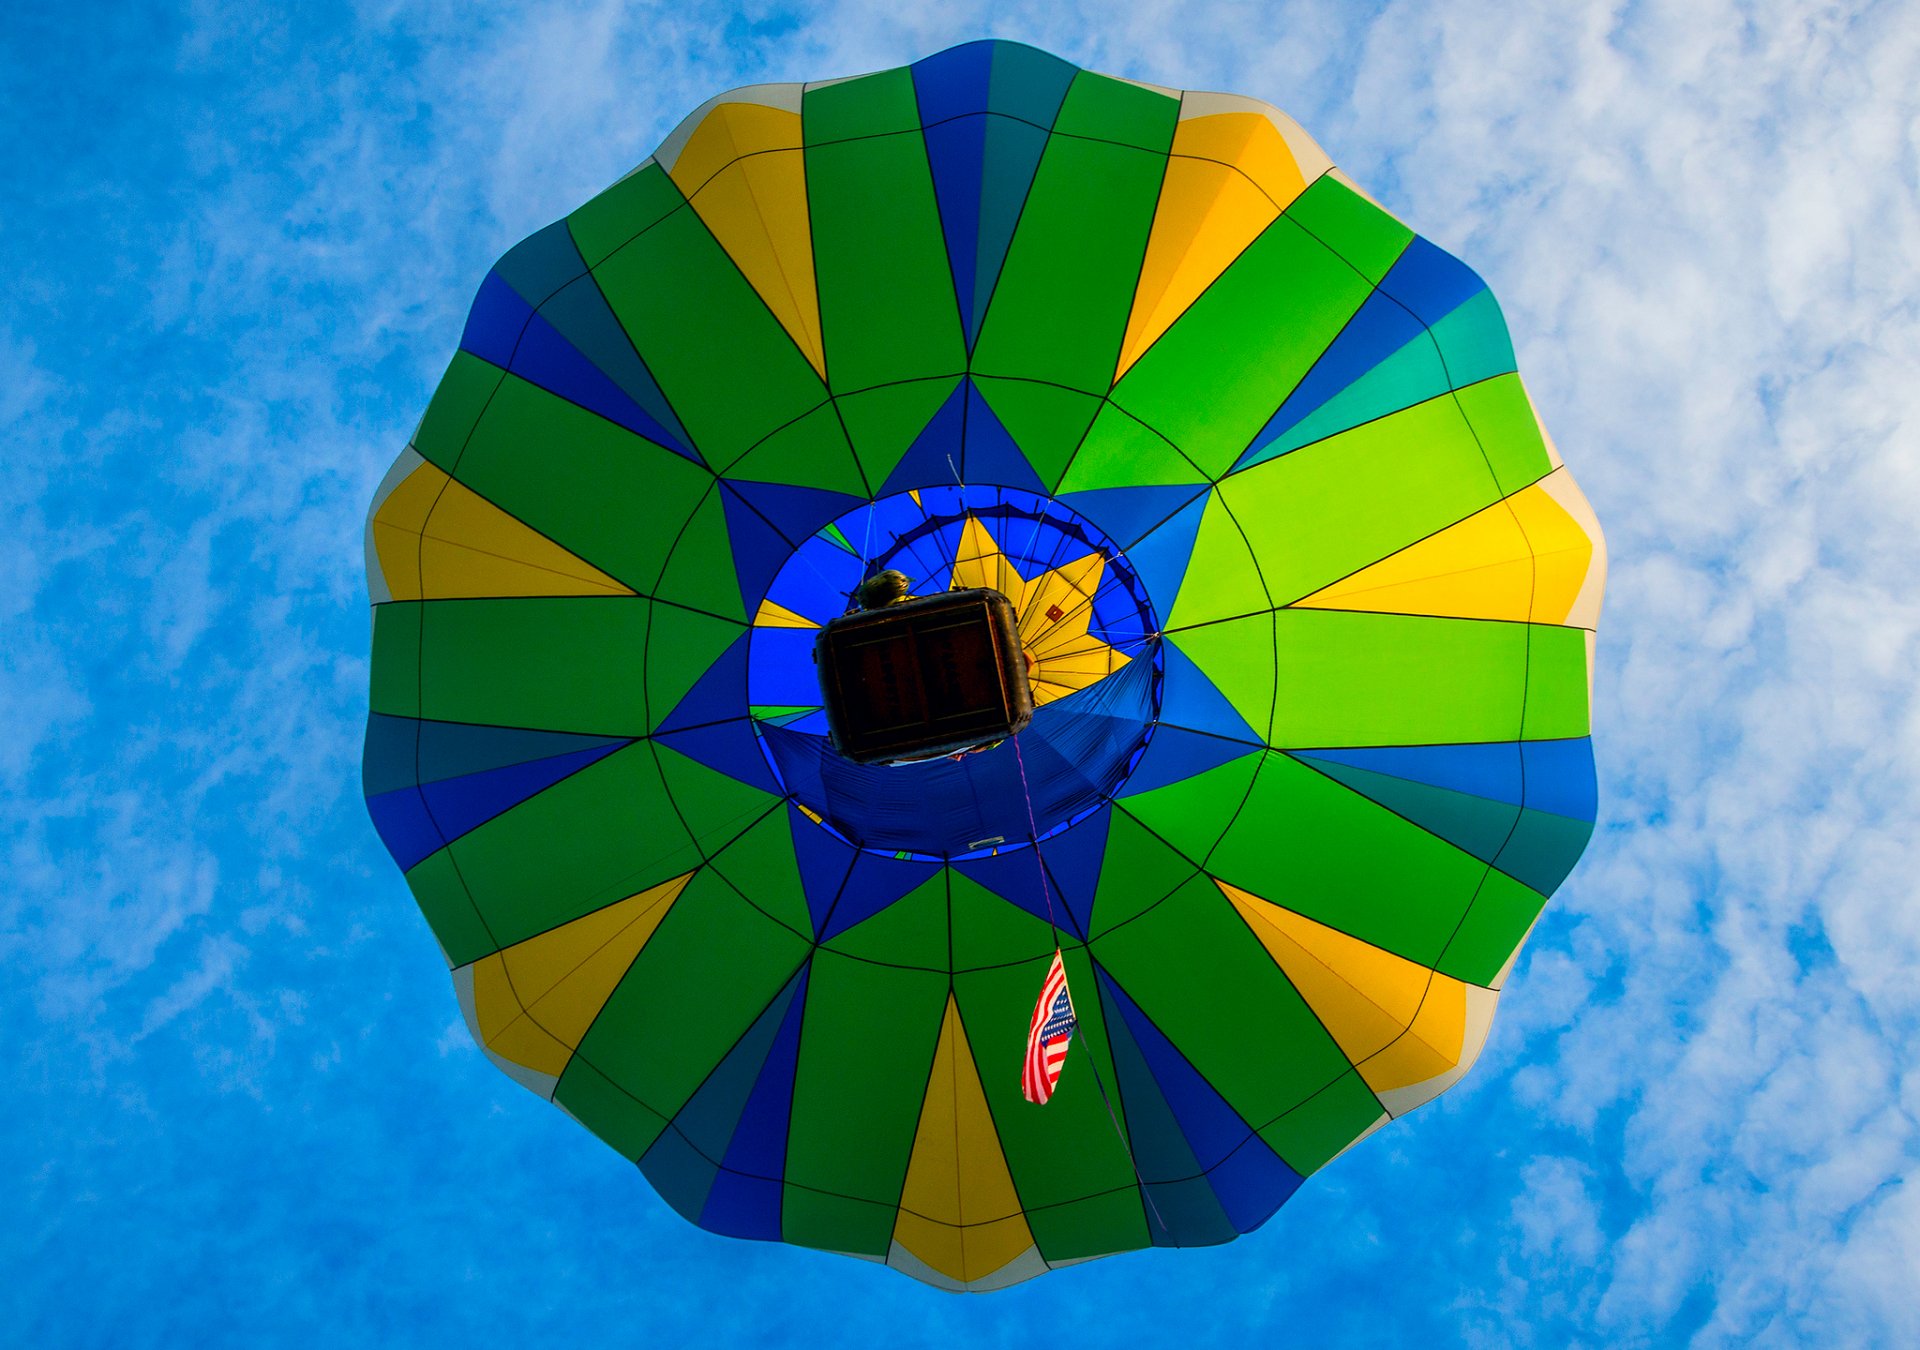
(1046, 892)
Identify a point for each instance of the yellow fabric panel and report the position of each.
(779, 616)
(1229, 176)
(1063, 656)
(1397, 1021)
(1521, 558)
(745, 174)
(437, 539)
(1431, 1046)
(1562, 552)
(535, 1000)
(958, 1210)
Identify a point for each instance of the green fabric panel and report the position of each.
(559, 663)
(723, 361)
(1478, 825)
(866, 1046)
(1308, 1136)
(886, 295)
(1348, 679)
(457, 404)
(449, 910)
(1411, 375)
(1368, 238)
(395, 683)
(1045, 421)
(1330, 509)
(1556, 684)
(760, 864)
(611, 1114)
(812, 451)
(682, 645)
(1100, 1225)
(1066, 1150)
(882, 423)
(1494, 925)
(1509, 433)
(699, 572)
(1474, 341)
(597, 837)
(1192, 814)
(1238, 656)
(836, 1223)
(871, 105)
(1306, 842)
(1120, 451)
(1106, 109)
(1137, 872)
(1215, 992)
(1223, 578)
(1213, 379)
(912, 931)
(705, 975)
(636, 203)
(614, 498)
(1060, 308)
(989, 931)
(714, 807)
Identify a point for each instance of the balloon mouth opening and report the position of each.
(917, 742)
(917, 679)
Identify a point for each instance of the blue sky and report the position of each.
(240, 1105)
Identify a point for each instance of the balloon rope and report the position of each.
(1046, 891)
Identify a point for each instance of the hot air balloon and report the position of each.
(1166, 427)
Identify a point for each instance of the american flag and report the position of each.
(1048, 1036)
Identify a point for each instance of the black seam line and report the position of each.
(505, 374)
(509, 558)
(962, 312)
(919, 1115)
(673, 1119)
(1020, 1205)
(420, 786)
(679, 423)
(666, 561)
(719, 870)
(760, 212)
(617, 888)
(1174, 1045)
(1297, 608)
(813, 257)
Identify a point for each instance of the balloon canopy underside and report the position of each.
(1309, 600)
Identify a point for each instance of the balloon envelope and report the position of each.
(1307, 596)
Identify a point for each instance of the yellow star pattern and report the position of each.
(1054, 609)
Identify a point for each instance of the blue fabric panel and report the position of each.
(1160, 558)
(720, 693)
(494, 325)
(1376, 331)
(1431, 282)
(1073, 859)
(1015, 877)
(711, 1116)
(1175, 753)
(581, 314)
(1189, 699)
(1474, 343)
(390, 759)
(1125, 514)
(462, 804)
(798, 513)
(1010, 155)
(956, 154)
(1248, 1176)
(406, 826)
(1479, 825)
(1181, 1208)
(1543, 848)
(1560, 777)
(542, 263)
(937, 452)
(727, 747)
(874, 883)
(745, 1198)
(990, 453)
(953, 83)
(401, 751)
(547, 359)
(680, 1173)
(1491, 770)
(1028, 83)
(780, 664)
(758, 549)
(823, 860)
